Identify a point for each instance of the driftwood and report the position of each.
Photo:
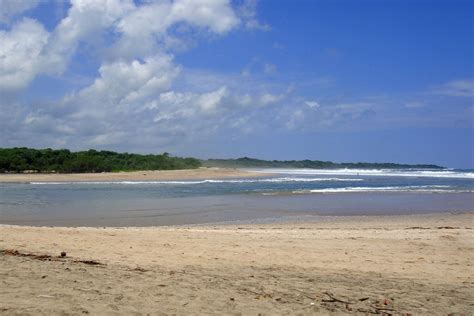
(439, 227)
(332, 298)
(417, 227)
(90, 262)
(10, 252)
(44, 257)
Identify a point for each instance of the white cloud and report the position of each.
(137, 98)
(301, 116)
(141, 31)
(28, 49)
(11, 8)
(122, 85)
(248, 13)
(456, 88)
(217, 15)
(147, 26)
(211, 100)
(108, 138)
(19, 52)
(268, 98)
(45, 123)
(312, 104)
(86, 20)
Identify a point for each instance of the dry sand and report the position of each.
(189, 174)
(392, 265)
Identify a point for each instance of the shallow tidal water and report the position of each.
(288, 194)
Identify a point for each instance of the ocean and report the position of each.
(289, 194)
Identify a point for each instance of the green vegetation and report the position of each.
(64, 161)
(246, 162)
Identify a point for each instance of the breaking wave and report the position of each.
(419, 189)
(271, 180)
(446, 173)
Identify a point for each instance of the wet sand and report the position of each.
(418, 264)
(157, 175)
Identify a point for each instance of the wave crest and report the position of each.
(418, 189)
(172, 182)
(374, 172)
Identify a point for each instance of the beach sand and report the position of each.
(393, 264)
(157, 175)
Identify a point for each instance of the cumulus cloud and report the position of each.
(86, 20)
(141, 30)
(125, 83)
(140, 96)
(217, 15)
(28, 49)
(19, 53)
(12, 8)
(147, 26)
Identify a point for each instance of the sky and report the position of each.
(335, 80)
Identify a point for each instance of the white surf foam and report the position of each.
(274, 180)
(420, 189)
(373, 172)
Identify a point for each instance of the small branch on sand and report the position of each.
(90, 262)
(335, 299)
(417, 227)
(139, 269)
(43, 257)
(11, 252)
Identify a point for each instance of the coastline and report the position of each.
(417, 264)
(145, 175)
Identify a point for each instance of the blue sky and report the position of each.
(331, 80)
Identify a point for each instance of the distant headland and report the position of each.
(247, 162)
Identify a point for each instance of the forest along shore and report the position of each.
(417, 264)
(147, 175)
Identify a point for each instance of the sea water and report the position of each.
(286, 195)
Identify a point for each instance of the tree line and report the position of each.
(23, 159)
(246, 162)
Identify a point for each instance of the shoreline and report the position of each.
(145, 175)
(417, 264)
(294, 220)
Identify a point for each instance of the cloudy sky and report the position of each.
(330, 80)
